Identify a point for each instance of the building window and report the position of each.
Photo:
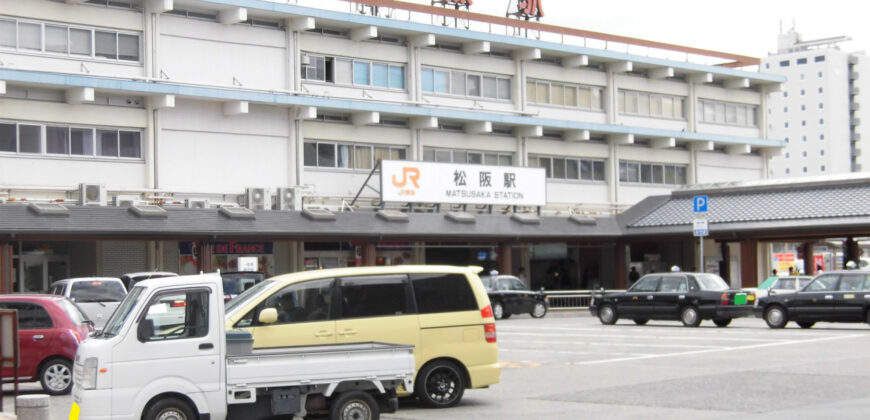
(822, 152)
(325, 154)
(785, 94)
(821, 137)
(805, 169)
(803, 92)
(354, 72)
(785, 109)
(67, 40)
(803, 123)
(819, 58)
(822, 168)
(787, 171)
(652, 173)
(821, 105)
(474, 157)
(767, 65)
(560, 167)
(784, 63)
(72, 141)
(801, 61)
(563, 94)
(650, 104)
(820, 74)
(786, 139)
(821, 90)
(804, 139)
(787, 155)
(803, 107)
(821, 121)
(461, 83)
(802, 76)
(786, 124)
(804, 153)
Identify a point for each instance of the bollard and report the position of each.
(32, 407)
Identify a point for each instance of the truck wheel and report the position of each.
(354, 405)
(607, 315)
(56, 377)
(169, 409)
(538, 310)
(723, 322)
(775, 317)
(498, 310)
(690, 316)
(440, 384)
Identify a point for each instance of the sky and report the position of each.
(737, 26)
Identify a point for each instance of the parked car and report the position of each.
(837, 296)
(50, 329)
(236, 282)
(509, 295)
(779, 285)
(442, 311)
(96, 296)
(688, 297)
(130, 279)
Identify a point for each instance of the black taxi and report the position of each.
(687, 297)
(836, 296)
(509, 296)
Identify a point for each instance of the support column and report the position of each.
(620, 271)
(7, 274)
(725, 264)
(368, 254)
(418, 253)
(749, 262)
(809, 261)
(203, 256)
(504, 258)
(850, 251)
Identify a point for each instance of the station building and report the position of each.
(205, 106)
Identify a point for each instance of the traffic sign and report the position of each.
(699, 203)
(699, 226)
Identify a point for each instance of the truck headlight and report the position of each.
(89, 373)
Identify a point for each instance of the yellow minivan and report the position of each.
(443, 311)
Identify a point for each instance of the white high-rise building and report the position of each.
(818, 111)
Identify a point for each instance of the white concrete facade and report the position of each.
(818, 110)
(201, 103)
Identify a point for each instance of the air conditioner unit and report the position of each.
(257, 199)
(92, 195)
(285, 198)
(305, 59)
(125, 200)
(196, 203)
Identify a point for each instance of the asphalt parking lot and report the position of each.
(568, 365)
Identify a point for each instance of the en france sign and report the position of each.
(431, 182)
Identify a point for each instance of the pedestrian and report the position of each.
(521, 274)
(633, 275)
(819, 269)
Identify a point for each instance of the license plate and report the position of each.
(750, 297)
(74, 411)
(740, 299)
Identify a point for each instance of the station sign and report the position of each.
(432, 182)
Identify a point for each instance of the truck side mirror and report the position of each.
(268, 316)
(146, 330)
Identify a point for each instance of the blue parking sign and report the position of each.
(700, 203)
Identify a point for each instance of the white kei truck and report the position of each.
(164, 354)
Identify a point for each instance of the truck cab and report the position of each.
(165, 353)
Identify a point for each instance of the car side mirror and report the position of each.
(268, 316)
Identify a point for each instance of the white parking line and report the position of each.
(625, 344)
(576, 353)
(690, 353)
(636, 336)
(654, 329)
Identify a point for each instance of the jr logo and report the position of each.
(408, 174)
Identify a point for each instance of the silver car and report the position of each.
(97, 297)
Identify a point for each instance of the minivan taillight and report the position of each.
(489, 332)
(486, 312)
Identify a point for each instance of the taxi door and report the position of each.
(376, 308)
(849, 299)
(816, 301)
(671, 296)
(639, 301)
(305, 316)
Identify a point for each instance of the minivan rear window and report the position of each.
(97, 291)
(436, 293)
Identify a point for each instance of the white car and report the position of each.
(97, 297)
(780, 285)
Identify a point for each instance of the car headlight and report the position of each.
(89, 373)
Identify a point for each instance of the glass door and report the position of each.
(38, 272)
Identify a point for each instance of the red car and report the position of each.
(50, 329)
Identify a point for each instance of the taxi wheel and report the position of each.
(641, 321)
(690, 316)
(498, 310)
(722, 322)
(806, 324)
(607, 315)
(56, 377)
(867, 316)
(169, 409)
(538, 310)
(775, 317)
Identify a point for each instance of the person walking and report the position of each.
(633, 276)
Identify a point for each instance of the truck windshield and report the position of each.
(248, 294)
(116, 321)
(711, 282)
(97, 291)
